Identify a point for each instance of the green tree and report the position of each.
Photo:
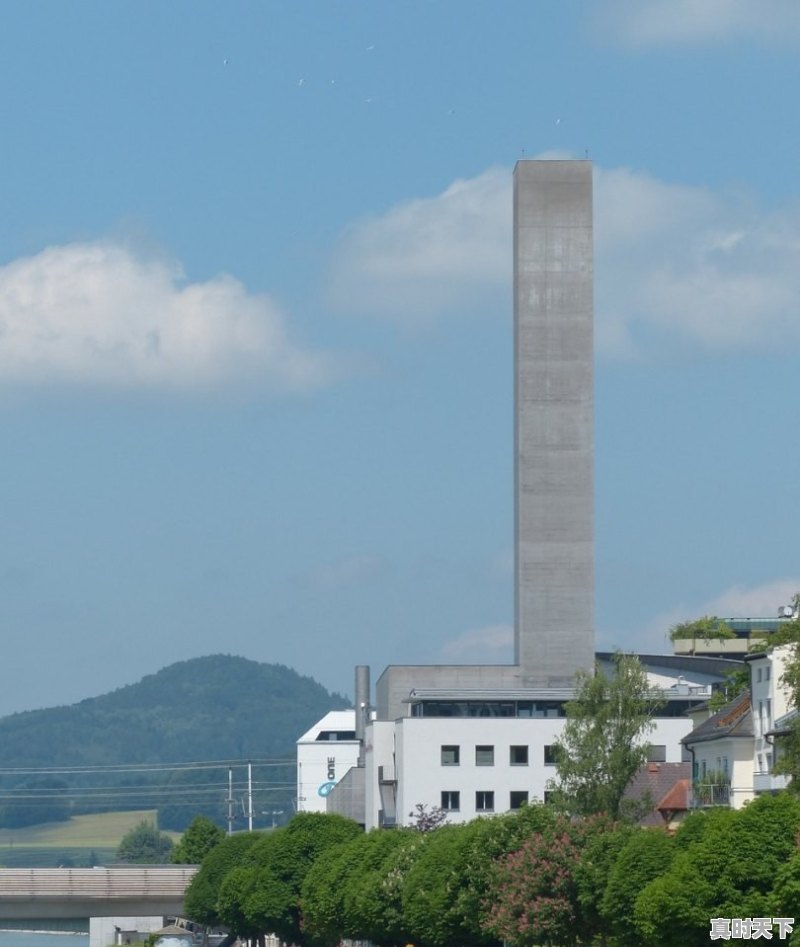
(728, 869)
(201, 902)
(707, 628)
(538, 896)
(197, 841)
(647, 854)
(144, 845)
(263, 896)
(432, 886)
(344, 895)
(601, 747)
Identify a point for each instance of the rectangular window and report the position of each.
(725, 765)
(451, 801)
(657, 753)
(548, 796)
(451, 755)
(484, 801)
(518, 755)
(758, 675)
(702, 769)
(518, 798)
(484, 756)
(550, 755)
(766, 673)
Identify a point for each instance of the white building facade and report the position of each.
(478, 752)
(325, 753)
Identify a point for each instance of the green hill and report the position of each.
(123, 750)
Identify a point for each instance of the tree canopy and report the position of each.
(197, 841)
(145, 845)
(602, 745)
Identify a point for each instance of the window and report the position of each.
(451, 755)
(548, 796)
(766, 673)
(484, 756)
(725, 765)
(518, 755)
(657, 753)
(451, 801)
(759, 672)
(518, 798)
(484, 801)
(550, 755)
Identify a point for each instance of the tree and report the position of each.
(197, 841)
(425, 819)
(728, 869)
(601, 747)
(262, 896)
(343, 893)
(538, 896)
(202, 895)
(707, 628)
(647, 854)
(144, 845)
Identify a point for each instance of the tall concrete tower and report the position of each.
(554, 421)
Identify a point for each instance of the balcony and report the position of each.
(769, 782)
(705, 795)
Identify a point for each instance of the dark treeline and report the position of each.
(532, 877)
(67, 761)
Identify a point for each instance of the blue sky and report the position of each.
(256, 338)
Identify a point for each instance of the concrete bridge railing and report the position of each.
(93, 892)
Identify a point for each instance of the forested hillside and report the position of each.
(205, 711)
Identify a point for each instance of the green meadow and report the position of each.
(80, 842)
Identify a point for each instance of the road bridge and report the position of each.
(130, 890)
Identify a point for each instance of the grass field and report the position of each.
(55, 843)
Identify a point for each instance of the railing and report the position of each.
(710, 794)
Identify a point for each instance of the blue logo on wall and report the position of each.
(325, 788)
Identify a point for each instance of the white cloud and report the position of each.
(98, 314)
(429, 255)
(686, 264)
(674, 264)
(493, 644)
(760, 601)
(644, 23)
(738, 601)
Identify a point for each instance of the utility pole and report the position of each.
(249, 796)
(230, 800)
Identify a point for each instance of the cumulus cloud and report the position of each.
(737, 601)
(673, 263)
(644, 23)
(428, 255)
(493, 644)
(99, 314)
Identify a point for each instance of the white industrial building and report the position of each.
(474, 739)
(324, 754)
(474, 752)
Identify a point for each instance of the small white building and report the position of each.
(325, 753)
(770, 703)
(733, 750)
